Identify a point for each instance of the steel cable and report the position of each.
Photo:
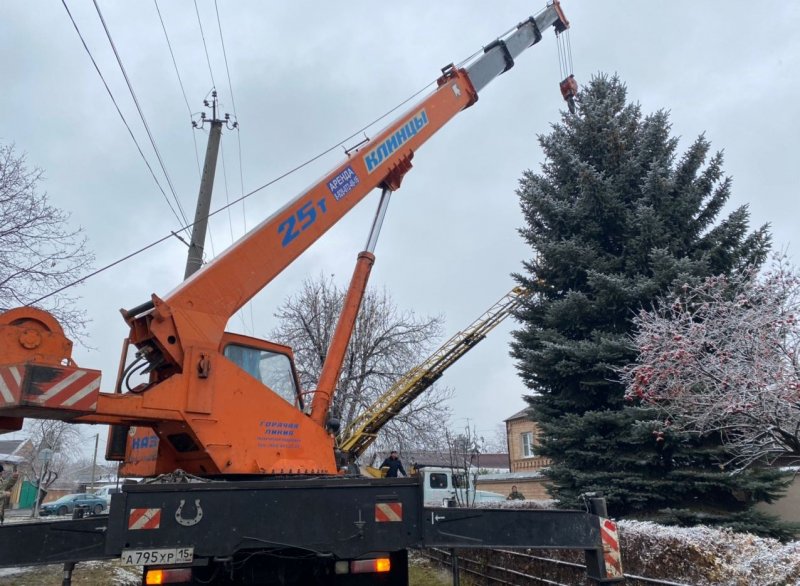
(180, 82)
(141, 113)
(122, 117)
(250, 193)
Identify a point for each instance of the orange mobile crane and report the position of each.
(202, 400)
(227, 407)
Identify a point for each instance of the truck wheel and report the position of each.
(62, 510)
(97, 509)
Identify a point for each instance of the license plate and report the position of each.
(157, 557)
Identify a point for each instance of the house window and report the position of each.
(527, 445)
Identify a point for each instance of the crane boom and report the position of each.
(201, 306)
(360, 434)
(214, 402)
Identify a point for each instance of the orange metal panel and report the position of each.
(265, 433)
(200, 394)
(142, 454)
(28, 334)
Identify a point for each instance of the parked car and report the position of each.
(66, 504)
(105, 492)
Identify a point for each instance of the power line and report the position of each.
(105, 268)
(239, 153)
(233, 103)
(125, 122)
(228, 205)
(203, 36)
(227, 194)
(230, 227)
(240, 199)
(224, 54)
(180, 82)
(141, 114)
(241, 176)
(172, 54)
(244, 210)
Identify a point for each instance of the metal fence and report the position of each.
(526, 569)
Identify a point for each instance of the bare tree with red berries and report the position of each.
(722, 356)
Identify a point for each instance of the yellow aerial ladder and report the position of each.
(362, 431)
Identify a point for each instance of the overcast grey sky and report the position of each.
(307, 74)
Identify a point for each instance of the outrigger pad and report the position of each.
(47, 392)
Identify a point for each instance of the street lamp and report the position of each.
(94, 459)
(44, 456)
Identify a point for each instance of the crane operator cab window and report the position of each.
(271, 368)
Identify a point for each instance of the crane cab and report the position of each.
(269, 363)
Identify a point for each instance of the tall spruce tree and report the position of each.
(615, 218)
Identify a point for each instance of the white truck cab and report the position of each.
(452, 487)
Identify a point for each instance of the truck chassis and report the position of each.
(292, 531)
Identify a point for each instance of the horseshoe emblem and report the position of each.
(189, 522)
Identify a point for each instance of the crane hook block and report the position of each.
(569, 90)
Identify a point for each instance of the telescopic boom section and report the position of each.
(197, 311)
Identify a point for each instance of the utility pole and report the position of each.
(94, 459)
(200, 227)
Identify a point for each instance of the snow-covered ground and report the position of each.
(12, 571)
(105, 573)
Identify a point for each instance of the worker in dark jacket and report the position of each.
(7, 482)
(515, 495)
(394, 465)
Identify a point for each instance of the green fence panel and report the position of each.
(27, 495)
